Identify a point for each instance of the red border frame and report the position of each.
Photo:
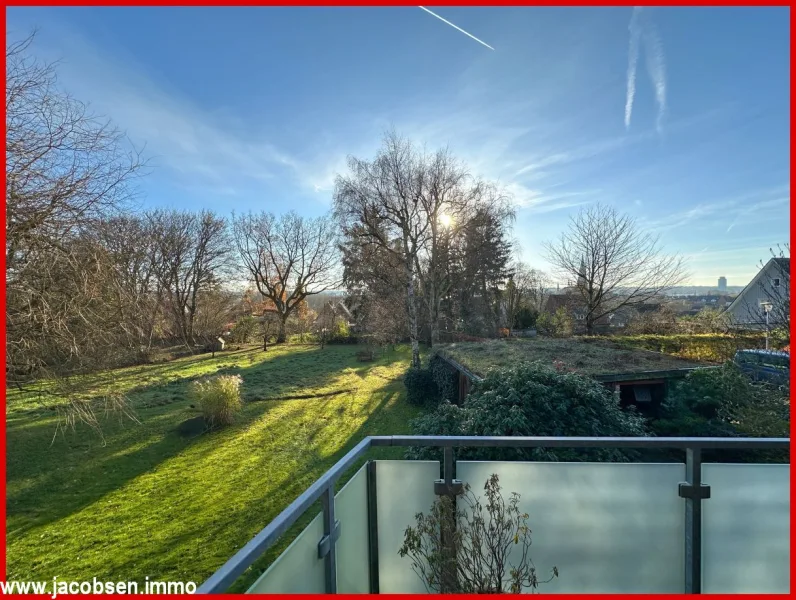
(317, 3)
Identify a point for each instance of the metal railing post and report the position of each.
(694, 491)
(450, 488)
(327, 547)
(373, 528)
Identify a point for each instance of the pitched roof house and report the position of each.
(771, 284)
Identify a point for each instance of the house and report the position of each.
(571, 303)
(771, 285)
(574, 306)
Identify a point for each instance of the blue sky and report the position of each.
(677, 116)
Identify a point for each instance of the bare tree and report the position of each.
(376, 294)
(614, 263)
(426, 212)
(130, 246)
(521, 290)
(448, 198)
(288, 258)
(64, 165)
(192, 253)
(65, 170)
(378, 203)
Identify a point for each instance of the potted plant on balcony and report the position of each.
(465, 547)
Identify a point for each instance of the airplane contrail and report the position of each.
(644, 32)
(457, 28)
(632, 62)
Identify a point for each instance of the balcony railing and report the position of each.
(689, 527)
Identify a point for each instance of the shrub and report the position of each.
(446, 377)
(557, 324)
(243, 330)
(723, 402)
(532, 399)
(710, 347)
(340, 333)
(483, 541)
(420, 387)
(218, 398)
(525, 318)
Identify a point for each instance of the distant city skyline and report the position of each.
(678, 116)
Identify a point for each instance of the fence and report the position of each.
(622, 527)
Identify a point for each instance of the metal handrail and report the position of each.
(221, 580)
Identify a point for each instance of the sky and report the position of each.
(678, 117)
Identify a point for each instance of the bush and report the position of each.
(525, 318)
(446, 377)
(340, 333)
(557, 324)
(467, 550)
(420, 387)
(709, 347)
(533, 400)
(723, 402)
(244, 330)
(218, 398)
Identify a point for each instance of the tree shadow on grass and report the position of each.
(48, 483)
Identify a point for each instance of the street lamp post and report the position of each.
(766, 306)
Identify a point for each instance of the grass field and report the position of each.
(584, 355)
(160, 499)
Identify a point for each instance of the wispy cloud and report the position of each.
(577, 153)
(755, 209)
(746, 206)
(197, 149)
(643, 31)
(470, 35)
(539, 201)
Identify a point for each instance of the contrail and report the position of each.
(457, 28)
(643, 31)
(632, 61)
(656, 67)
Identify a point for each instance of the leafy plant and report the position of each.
(446, 377)
(218, 398)
(557, 324)
(532, 399)
(712, 347)
(526, 318)
(469, 550)
(724, 402)
(340, 333)
(421, 390)
(244, 330)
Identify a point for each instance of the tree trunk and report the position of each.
(412, 309)
(589, 325)
(433, 312)
(282, 336)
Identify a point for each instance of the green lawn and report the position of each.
(155, 500)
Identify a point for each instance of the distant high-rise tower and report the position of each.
(722, 284)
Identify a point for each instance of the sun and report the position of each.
(445, 220)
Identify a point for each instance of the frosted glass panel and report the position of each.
(351, 509)
(298, 570)
(403, 489)
(746, 528)
(608, 527)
